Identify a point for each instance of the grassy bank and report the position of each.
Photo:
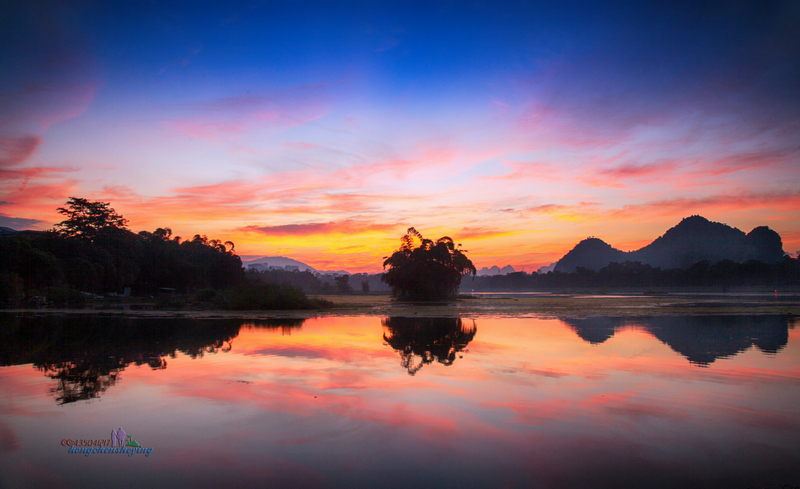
(543, 305)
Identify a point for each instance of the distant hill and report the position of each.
(495, 270)
(694, 239)
(282, 262)
(590, 253)
(547, 268)
(7, 232)
(277, 262)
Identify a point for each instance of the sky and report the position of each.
(321, 131)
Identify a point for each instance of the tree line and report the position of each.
(327, 284)
(93, 251)
(724, 273)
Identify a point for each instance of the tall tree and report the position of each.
(87, 219)
(431, 270)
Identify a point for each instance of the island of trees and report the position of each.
(428, 270)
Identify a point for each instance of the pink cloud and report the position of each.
(300, 145)
(633, 171)
(16, 150)
(35, 191)
(550, 125)
(431, 160)
(746, 161)
(207, 130)
(116, 192)
(36, 106)
(784, 201)
(229, 118)
(523, 171)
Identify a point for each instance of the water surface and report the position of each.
(703, 401)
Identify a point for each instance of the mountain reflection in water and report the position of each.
(85, 354)
(428, 339)
(701, 339)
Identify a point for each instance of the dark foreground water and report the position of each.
(400, 402)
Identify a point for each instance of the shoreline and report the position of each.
(484, 305)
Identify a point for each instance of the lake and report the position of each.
(366, 401)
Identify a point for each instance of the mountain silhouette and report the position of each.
(495, 270)
(590, 253)
(693, 240)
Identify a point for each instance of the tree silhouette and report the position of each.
(429, 271)
(87, 219)
(343, 284)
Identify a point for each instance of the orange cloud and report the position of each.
(347, 226)
(480, 233)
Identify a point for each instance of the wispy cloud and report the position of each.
(480, 233)
(712, 204)
(348, 226)
(16, 150)
(202, 129)
(300, 144)
(231, 118)
(20, 223)
(632, 170)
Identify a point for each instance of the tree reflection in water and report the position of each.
(86, 354)
(286, 325)
(81, 380)
(428, 339)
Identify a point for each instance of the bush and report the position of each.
(206, 295)
(65, 297)
(11, 287)
(271, 297)
(169, 301)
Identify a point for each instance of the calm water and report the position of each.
(402, 402)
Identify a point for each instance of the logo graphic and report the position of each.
(119, 436)
(120, 442)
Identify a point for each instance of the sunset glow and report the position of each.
(322, 131)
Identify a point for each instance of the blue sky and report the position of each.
(520, 127)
